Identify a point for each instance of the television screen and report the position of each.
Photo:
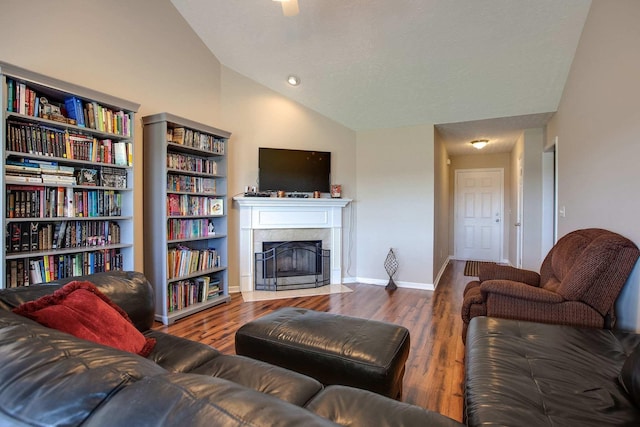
(294, 170)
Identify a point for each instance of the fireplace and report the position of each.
(291, 265)
(286, 219)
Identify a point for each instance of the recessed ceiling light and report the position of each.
(479, 143)
(293, 80)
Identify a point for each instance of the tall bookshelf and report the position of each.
(67, 179)
(185, 215)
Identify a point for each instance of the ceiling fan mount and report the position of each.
(289, 7)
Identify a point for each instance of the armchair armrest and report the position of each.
(520, 290)
(505, 272)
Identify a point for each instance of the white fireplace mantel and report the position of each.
(266, 213)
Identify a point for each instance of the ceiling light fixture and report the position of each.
(289, 7)
(479, 143)
(293, 80)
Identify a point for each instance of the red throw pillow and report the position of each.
(80, 309)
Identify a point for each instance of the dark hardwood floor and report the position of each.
(434, 369)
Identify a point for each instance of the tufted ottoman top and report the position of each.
(334, 349)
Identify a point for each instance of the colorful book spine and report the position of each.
(11, 88)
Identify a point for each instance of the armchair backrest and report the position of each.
(589, 265)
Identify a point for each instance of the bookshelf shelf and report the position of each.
(79, 218)
(68, 251)
(53, 175)
(67, 126)
(196, 274)
(184, 194)
(209, 237)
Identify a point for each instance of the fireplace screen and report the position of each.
(291, 265)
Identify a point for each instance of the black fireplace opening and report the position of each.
(291, 265)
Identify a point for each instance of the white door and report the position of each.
(478, 211)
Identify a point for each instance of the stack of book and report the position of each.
(17, 172)
(52, 173)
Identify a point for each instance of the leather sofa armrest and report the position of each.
(519, 290)
(505, 272)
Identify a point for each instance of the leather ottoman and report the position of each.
(332, 348)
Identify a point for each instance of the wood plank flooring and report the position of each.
(434, 369)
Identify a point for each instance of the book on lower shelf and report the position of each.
(184, 293)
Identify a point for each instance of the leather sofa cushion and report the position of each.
(536, 374)
(49, 377)
(197, 400)
(630, 375)
(362, 408)
(176, 354)
(282, 383)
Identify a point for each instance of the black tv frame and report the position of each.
(291, 170)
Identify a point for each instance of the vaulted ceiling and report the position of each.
(476, 68)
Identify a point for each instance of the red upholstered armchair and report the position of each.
(578, 283)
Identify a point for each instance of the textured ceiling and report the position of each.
(371, 64)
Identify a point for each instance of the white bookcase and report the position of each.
(67, 206)
(185, 215)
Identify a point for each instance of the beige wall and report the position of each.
(259, 117)
(395, 204)
(533, 140)
(442, 214)
(598, 130)
(482, 161)
(138, 55)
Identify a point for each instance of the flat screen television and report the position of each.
(294, 170)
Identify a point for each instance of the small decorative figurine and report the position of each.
(391, 265)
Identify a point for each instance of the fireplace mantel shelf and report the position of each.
(291, 201)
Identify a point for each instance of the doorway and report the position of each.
(478, 212)
(519, 213)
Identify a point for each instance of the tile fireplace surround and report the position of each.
(288, 218)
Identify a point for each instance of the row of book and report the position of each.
(45, 236)
(45, 172)
(191, 184)
(188, 163)
(34, 138)
(182, 261)
(23, 99)
(189, 228)
(184, 293)
(57, 202)
(45, 269)
(196, 139)
(184, 204)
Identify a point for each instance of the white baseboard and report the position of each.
(400, 284)
(377, 282)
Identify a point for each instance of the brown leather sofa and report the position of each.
(579, 281)
(532, 374)
(51, 378)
